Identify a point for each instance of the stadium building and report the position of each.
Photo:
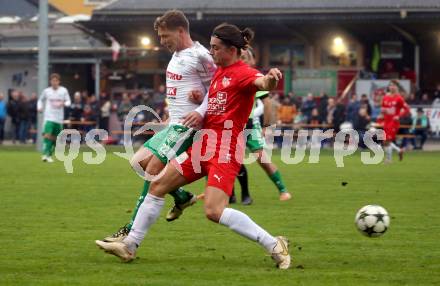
(320, 44)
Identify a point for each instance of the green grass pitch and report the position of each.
(49, 220)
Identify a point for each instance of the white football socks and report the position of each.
(147, 215)
(243, 225)
(394, 146)
(388, 153)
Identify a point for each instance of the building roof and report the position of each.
(126, 19)
(23, 8)
(60, 35)
(252, 6)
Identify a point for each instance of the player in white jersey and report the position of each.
(52, 101)
(190, 68)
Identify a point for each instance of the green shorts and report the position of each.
(255, 140)
(162, 143)
(52, 128)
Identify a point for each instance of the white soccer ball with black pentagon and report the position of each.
(372, 220)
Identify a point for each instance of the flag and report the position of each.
(375, 59)
(116, 47)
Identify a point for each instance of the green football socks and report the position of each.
(278, 181)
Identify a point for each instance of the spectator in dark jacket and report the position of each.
(32, 106)
(365, 102)
(361, 124)
(322, 109)
(335, 113)
(308, 106)
(23, 118)
(76, 108)
(13, 109)
(2, 117)
(89, 115)
(352, 109)
(315, 118)
(420, 128)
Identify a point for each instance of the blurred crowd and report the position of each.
(85, 113)
(88, 112)
(356, 112)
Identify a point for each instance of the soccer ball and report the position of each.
(372, 220)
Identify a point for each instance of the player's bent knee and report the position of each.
(157, 189)
(213, 214)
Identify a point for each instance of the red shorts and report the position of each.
(391, 128)
(221, 174)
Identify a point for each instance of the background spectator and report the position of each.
(105, 109)
(13, 109)
(405, 121)
(412, 99)
(338, 114)
(272, 116)
(322, 109)
(361, 124)
(335, 114)
(159, 97)
(315, 118)
(308, 106)
(425, 99)
(23, 118)
(2, 117)
(32, 103)
(436, 94)
(365, 102)
(420, 128)
(376, 109)
(299, 118)
(286, 112)
(124, 108)
(76, 108)
(89, 114)
(353, 109)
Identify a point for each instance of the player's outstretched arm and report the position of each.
(40, 102)
(67, 101)
(270, 80)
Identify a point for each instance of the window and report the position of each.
(339, 54)
(287, 55)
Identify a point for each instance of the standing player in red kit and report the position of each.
(393, 107)
(229, 103)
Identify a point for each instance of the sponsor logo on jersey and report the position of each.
(172, 91)
(174, 76)
(221, 97)
(217, 104)
(226, 81)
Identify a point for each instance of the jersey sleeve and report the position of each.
(41, 100)
(205, 68)
(261, 94)
(248, 76)
(404, 108)
(67, 101)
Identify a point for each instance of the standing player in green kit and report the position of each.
(255, 142)
(52, 101)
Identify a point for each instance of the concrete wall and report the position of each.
(21, 76)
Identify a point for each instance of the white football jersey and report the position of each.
(54, 100)
(189, 69)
